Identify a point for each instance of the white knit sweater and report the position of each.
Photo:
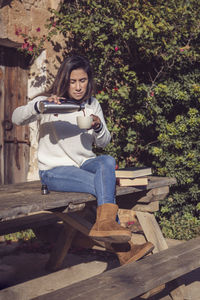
(61, 141)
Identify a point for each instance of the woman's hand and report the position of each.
(55, 99)
(96, 124)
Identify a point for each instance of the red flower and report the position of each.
(31, 48)
(38, 29)
(25, 45)
(116, 49)
(152, 94)
(54, 24)
(116, 88)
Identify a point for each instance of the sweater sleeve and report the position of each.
(103, 137)
(26, 114)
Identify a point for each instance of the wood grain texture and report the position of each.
(16, 138)
(152, 230)
(134, 279)
(24, 198)
(155, 194)
(148, 207)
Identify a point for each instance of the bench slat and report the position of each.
(132, 280)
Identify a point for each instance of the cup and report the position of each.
(84, 122)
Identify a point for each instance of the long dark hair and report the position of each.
(61, 83)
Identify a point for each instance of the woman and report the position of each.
(65, 157)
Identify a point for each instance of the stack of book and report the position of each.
(133, 176)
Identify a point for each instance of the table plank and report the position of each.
(24, 198)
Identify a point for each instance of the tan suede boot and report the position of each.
(106, 228)
(129, 252)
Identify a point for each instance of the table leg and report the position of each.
(152, 230)
(77, 221)
(73, 222)
(63, 244)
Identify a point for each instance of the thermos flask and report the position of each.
(46, 107)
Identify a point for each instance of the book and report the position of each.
(140, 181)
(133, 172)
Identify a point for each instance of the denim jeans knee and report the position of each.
(96, 176)
(103, 168)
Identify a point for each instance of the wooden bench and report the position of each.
(23, 206)
(132, 280)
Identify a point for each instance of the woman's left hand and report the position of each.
(55, 99)
(96, 122)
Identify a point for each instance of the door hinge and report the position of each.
(16, 141)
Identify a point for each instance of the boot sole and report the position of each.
(140, 254)
(120, 239)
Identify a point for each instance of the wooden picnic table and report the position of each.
(23, 206)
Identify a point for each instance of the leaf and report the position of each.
(139, 31)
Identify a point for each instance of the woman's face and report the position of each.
(78, 84)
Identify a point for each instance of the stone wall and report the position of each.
(39, 70)
(27, 16)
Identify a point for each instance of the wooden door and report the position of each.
(14, 140)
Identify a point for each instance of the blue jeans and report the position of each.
(96, 176)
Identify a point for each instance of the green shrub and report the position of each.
(20, 235)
